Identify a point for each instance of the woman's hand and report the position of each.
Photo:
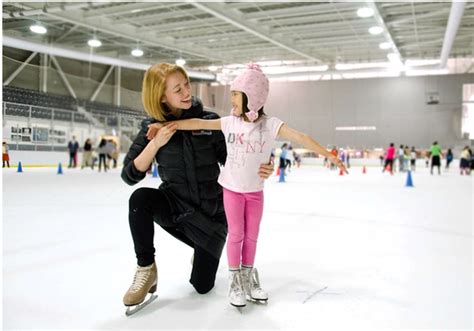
(338, 163)
(153, 129)
(163, 134)
(266, 170)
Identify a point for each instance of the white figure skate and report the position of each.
(251, 282)
(236, 290)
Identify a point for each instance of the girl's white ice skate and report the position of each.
(236, 290)
(252, 288)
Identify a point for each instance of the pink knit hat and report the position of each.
(254, 84)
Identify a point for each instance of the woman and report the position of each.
(188, 204)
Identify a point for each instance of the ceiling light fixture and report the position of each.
(365, 12)
(181, 62)
(385, 45)
(354, 66)
(375, 30)
(137, 52)
(395, 62)
(94, 42)
(37, 28)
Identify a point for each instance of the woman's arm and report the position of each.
(301, 138)
(143, 161)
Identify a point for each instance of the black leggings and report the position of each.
(147, 205)
(388, 162)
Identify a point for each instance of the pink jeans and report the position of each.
(244, 213)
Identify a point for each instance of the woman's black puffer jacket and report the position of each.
(188, 167)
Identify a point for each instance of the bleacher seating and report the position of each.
(108, 109)
(36, 98)
(18, 101)
(17, 110)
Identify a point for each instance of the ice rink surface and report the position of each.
(335, 252)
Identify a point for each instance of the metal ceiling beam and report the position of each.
(378, 17)
(45, 9)
(125, 31)
(64, 35)
(63, 77)
(404, 20)
(82, 56)
(455, 17)
(130, 8)
(102, 82)
(19, 69)
(219, 11)
(189, 26)
(307, 8)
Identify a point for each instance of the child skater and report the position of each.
(249, 135)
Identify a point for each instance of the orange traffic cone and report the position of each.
(341, 173)
(278, 171)
(363, 170)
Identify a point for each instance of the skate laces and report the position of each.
(140, 278)
(236, 284)
(254, 281)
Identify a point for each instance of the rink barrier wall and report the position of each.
(51, 159)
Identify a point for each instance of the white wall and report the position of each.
(395, 106)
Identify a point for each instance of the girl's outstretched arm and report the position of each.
(198, 124)
(302, 138)
(189, 124)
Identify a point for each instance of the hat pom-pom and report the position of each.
(253, 66)
(252, 115)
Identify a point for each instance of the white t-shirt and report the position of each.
(248, 145)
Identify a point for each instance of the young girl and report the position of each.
(249, 135)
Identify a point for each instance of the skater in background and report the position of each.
(401, 158)
(189, 203)
(464, 162)
(249, 134)
(334, 153)
(282, 161)
(102, 151)
(5, 155)
(427, 158)
(348, 159)
(389, 157)
(406, 158)
(436, 155)
(110, 151)
(297, 159)
(289, 158)
(73, 147)
(471, 163)
(413, 159)
(449, 158)
(342, 155)
(87, 155)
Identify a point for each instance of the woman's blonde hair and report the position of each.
(154, 86)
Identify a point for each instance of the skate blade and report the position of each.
(258, 301)
(134, 309)
(239, 308)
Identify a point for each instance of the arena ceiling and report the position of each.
(310, 35)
